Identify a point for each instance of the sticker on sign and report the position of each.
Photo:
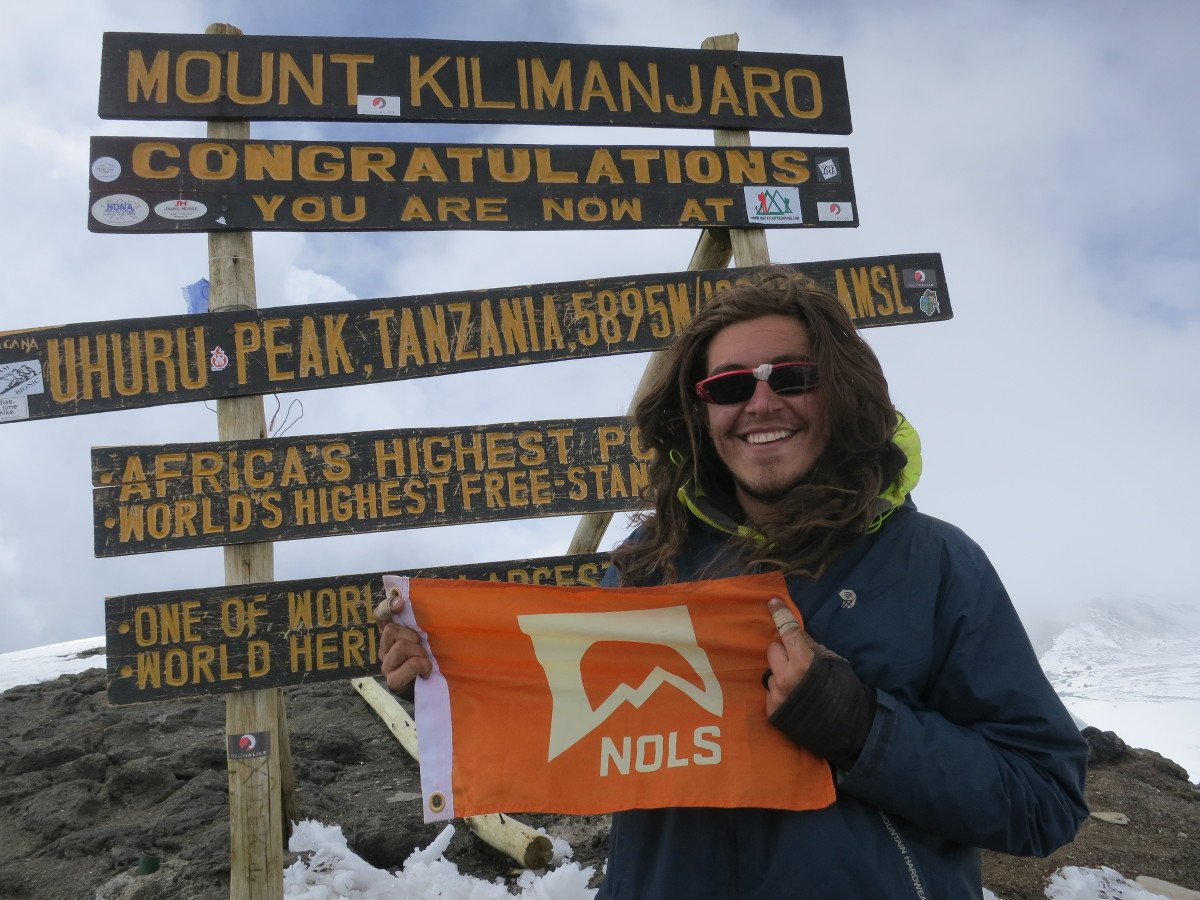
(13, 409)
(20, 378)
(250, 745)
(835, 212)
(773, 204)
(829, 170)
(120, 210)
(106, 169)
(914, 278)
(379, 105)
(180, 209)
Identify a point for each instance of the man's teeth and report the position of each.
(765, 437)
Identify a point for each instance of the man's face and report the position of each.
(771, 441)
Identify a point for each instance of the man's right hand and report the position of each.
(401, 656)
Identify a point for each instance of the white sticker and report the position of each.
(379, 105)
(181, 209)
(106, 169)
(836, 211)
(120, 210)
(13, 408)
(20, 378)
(765, 204)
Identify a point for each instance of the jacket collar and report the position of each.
(906, 444)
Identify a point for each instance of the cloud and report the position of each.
(1045, 152)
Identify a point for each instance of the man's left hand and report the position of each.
(789, 657)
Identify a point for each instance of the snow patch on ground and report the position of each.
(329, 870)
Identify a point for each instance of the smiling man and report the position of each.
(778, 445)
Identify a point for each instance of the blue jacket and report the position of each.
(970, 746)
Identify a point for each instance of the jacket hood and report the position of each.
(906, 443)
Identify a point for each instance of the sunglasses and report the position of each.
(738, 385)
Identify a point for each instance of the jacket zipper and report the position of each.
(913, 875)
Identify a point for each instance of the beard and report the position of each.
(768, 490)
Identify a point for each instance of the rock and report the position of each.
(142, 782)
(92, 767)
(1170, 767)
(1104, 746)
(63, 807)
(1166, 889)
(1115, 818)
(65, 834)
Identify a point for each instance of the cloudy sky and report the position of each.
(1047, 151)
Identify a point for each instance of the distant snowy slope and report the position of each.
(47, 663)
(1134, 668)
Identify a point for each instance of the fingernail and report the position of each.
(774, 603)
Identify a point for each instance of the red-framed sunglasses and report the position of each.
(738, 385)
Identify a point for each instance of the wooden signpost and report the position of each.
(185, 76)
(254, 635)
(222, 640)
(133, 363)
(170, 185)
(178, 496)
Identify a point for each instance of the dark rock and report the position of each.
(317, 771)
(200, 756)
(14, 885)
(1104, 746)
(1170, 767)
(63, 807)
(204, 798)
(96, 840)
(126, 740)
(36, 756)
(142, 782)
(209, 847)
(92, 767)
(22, 786)
(340, 748)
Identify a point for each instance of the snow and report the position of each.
(47, 663)
(327, 869)
(1133, 667)
(1074, 883)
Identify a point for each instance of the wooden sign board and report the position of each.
(192, 76)
(167, 185)
(178, 496)
(133, 363)
(222, 640)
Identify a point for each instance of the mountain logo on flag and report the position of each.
(561, 640)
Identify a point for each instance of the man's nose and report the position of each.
(763, 399)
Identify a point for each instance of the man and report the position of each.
(777, 445)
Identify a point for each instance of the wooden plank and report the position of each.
(187, 76)
(169, 185)
(132, 363)
(177, 496)
(238, 638)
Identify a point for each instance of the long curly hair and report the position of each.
(832, 505)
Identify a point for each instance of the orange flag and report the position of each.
(590, 700)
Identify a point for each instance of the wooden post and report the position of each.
(749, 244)
(748, 247)
(257, 820)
